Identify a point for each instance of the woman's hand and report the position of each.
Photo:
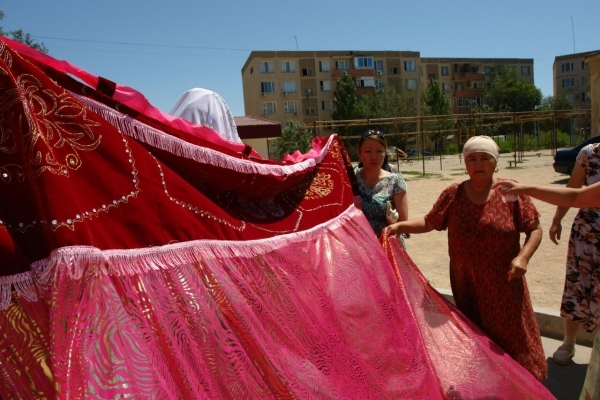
(555, 231)
(509, 187)
(518, 268)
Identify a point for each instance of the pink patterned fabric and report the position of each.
(140, 261)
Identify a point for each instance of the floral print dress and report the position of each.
(581, 295)
(482, 242)
(375, 198)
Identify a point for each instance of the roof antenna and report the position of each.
(296, 39)
(573, 28)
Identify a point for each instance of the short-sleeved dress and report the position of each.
(581, 295)
(482, 242)
(374, 198)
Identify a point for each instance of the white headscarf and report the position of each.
(483, 144)
(205, 107)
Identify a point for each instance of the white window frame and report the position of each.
(411, 84)
(410, 65)
(568, 82)
(324, 66)
(326, 105)
(288, 87)
(269, 107)
(363, 62)
(307, 72)
(365, 81)
(290, 107)
(288, 66)
(445, 70)
(379, 83)
(342, 64)
(445, 87)
(525, 68)
(566, 67)
(310, 111)
(325, 86)
(266, 67)
(267, 87)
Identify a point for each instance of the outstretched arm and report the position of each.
(415, 225)
(588, 196)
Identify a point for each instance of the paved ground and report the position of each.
(565, 381)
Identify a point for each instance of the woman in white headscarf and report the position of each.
(205, 107)
(487, 262)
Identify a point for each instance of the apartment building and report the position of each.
(299, 85)
(572, 78)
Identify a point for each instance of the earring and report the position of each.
(496, 170)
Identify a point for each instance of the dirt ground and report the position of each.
(546, 271)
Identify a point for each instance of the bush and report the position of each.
(451, 149)
(506, 146)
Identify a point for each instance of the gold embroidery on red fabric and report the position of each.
(320, 187)
(194, 209)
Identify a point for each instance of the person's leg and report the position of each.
(566, 350)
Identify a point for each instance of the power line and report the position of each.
(140, 44)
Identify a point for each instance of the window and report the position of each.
(568, 82)
(584, 80)
(310, 111)
(288, 66)
(444, 70)
(487, 69)
(269, 107)
(379, 66)
(570, 96)
(365, 81)
(328, 126)
(411, 84)
(363, 62)
(411, 101)
(307, 72)
(525, 71)
(266, 66)
(393, 71)
(326, 105)
(267, 87)
(341, 64)
(583, 65)
(584, 96)
(566, 67)
(379, 83)
(289, 87)
(445, 87)
(430, 76)
(324, 66)
(290, 107)
(309, 92)
(410, 66)
(325, 86)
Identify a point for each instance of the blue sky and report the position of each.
(164, 48)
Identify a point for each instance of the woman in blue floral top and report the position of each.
(378, 186)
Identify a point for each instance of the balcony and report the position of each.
(468, 76)
(468, 93)
(361, 91)
(353, 72)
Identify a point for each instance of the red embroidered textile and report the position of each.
(142, 260)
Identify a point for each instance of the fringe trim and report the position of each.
(80, 260)
(156, 138)
(23, 283)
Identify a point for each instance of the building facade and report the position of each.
(299, 85)
(572, 78)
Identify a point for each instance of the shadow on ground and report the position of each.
(565, 381)
(560, 181)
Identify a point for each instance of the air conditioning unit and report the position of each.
(295, 112)
(379, 72)
(284, 93)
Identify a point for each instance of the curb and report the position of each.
(549, 322)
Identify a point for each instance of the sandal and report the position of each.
(563, 354)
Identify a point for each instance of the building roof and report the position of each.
(256, 128)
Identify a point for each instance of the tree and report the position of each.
(293, 137)
(436, 103)
(22, 37)
(345, 103)
(508, 92)
(551, 103)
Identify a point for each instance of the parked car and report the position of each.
(564, 160)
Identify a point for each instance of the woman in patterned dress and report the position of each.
(487, 263)
(377, 185)
(581, 296)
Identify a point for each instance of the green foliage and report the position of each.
(345, 103)
(436, 103)
(506, 146)
(22, 37)
(451, 149)
(508, 92)
(293, 137)
(559, 102)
